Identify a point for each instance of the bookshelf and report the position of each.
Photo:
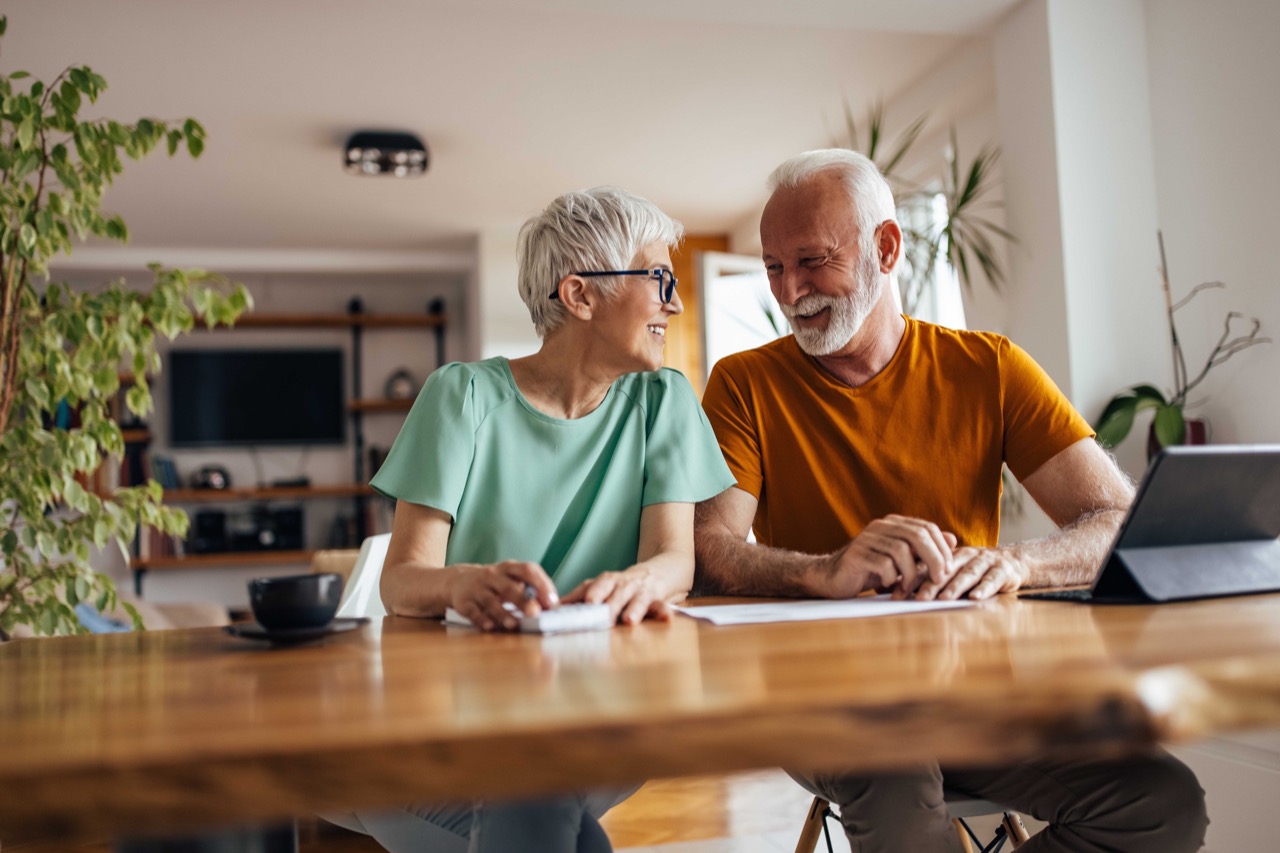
(358, 407)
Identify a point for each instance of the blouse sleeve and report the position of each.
(431, 457)
(682, 459)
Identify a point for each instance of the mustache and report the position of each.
(806, 305)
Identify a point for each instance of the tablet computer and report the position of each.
(1204, 523)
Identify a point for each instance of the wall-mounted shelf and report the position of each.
(335, 321)
(374, 406)
(266, 493)
(356, 322)
(230, 559)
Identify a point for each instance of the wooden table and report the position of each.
(173, 730)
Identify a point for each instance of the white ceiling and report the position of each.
(688, 102)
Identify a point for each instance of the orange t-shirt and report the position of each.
(925, 437)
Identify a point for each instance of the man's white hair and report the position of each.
(597, 229)
(868, 190)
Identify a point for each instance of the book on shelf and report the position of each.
(153, 544)
(164, 472)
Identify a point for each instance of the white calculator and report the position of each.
(579, 616)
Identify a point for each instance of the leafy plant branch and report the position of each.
(966, 237)
(1170, 419)
(67, 355)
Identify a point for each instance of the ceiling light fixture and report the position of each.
(372, 152)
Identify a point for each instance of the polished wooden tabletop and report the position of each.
(105, 734)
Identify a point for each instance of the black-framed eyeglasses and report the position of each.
(665, 278)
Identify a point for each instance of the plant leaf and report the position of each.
(1117, 420)
(1171, 426)
(1149, 393)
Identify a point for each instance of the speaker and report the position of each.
(289, 528)
(266, 528)
(209, 531)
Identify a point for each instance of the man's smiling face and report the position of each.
(824, 275)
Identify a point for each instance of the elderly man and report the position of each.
(867, 448)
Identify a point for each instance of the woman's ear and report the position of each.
(577, 296)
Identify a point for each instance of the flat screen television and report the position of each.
(265, 396)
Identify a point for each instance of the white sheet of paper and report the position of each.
(808, 611)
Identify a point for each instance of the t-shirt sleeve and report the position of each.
(431, 457)
(1039, 420)
(730, 416)
(682, 461)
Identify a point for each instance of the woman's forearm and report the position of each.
(410, 589)
(669, 574)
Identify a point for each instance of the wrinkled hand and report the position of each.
(895, 552)
(479, 591)
(632, 595)
(978, 573)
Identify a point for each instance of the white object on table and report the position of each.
(579, 616)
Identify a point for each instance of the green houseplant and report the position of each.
(1169, 425)
(64, 354)
(962, 234)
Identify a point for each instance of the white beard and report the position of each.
(847, 313)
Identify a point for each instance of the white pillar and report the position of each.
(1075, 112)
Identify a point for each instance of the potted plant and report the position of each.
(63, 352)
(1170, 425)
(961, 233)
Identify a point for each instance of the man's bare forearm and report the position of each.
(729, 565)
(1071, 555)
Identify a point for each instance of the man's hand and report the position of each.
(895, 552)
(978, 573)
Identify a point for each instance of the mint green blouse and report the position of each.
(565, 494)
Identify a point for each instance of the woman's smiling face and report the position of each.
(634, 320)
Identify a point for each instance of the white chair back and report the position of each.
(361, 596)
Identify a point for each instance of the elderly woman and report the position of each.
(571, 472)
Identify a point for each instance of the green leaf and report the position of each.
(195, 145)
(26, 132)
(1150, 393)
(27, 236)
(1117, 420)
(1171, 426)
(19, 75)
(117, 230)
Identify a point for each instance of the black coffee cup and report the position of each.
(296, 601)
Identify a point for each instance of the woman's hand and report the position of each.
(632, 595)
(479, 591)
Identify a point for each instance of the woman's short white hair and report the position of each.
(597, 229)
(869, 192)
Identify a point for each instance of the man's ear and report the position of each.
(577, 296)
(889, 245)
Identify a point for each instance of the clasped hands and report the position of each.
(913, 558)
(480, 591)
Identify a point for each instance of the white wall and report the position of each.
(505, 325)
(1213, 70)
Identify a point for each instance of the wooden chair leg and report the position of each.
(812, 826)
(965, 842)
(1015, 829)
